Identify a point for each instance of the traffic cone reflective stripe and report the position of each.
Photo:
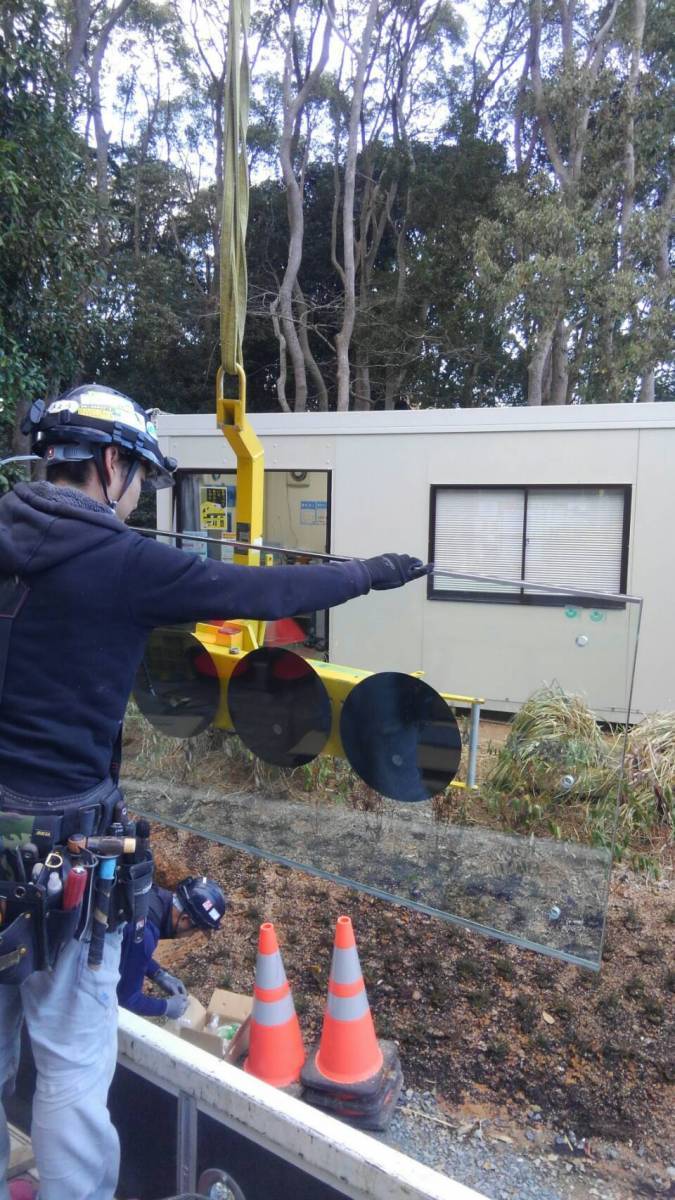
(269, 971)
(273, 1012)
(345, 968)
(276, 1053)
(348, 1008)
(349, 1050)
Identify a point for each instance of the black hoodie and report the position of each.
(96, 590)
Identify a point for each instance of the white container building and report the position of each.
(578, 496)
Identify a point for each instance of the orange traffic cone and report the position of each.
(349, 1051)
(276, 1053)
(350, 1073)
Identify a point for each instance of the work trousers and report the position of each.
(71, 1015)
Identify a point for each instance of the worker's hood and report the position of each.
(42, 525)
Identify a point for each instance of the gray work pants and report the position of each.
(71, 1015)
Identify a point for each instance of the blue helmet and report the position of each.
(203, 901)
(83, 421)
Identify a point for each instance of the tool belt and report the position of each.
(41, 906)
(55, 820)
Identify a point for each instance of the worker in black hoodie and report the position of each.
(80, 592)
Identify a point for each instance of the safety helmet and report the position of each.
(80, 424)
(203, 901)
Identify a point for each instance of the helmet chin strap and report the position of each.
(99, 462)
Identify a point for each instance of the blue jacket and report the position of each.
(136, 961)
(96, 590)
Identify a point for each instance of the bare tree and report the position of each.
(344, 335)
(565, 132)
(89, 29)
(302, 74)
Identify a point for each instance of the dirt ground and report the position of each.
(541, 1049)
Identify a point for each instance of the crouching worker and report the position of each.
(197, 903)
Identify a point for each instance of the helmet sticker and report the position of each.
(115, 411)
(64, 406)
(213, 912)
(102, 408)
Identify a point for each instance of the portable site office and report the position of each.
(581, 496)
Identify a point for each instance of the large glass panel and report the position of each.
(511, 827)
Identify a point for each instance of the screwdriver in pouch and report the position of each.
(73, 888)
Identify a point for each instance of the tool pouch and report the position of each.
(23, 935)
(132, 893)
(61, 928)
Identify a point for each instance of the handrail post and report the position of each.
(186, 1144)
(473, 744)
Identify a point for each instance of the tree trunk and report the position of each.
(296, 228)
(310, 361)
(362, 395)
(648, 387)
(608, 370)
(639, 13)
(343, 338)
(101, 135)
(102, 143)
(81, 18)
(559, 365)
(293, 107)
(281, 377)
(537, 366)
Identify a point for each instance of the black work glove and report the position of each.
(170, 983)
(175, 1007)
(393, 570)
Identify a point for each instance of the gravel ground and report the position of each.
(473, 1154)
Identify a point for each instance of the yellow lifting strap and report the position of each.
(233, 277)
(231, 380)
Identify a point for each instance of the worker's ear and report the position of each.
(111, 458)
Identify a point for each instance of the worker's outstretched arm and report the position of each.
(165, 585)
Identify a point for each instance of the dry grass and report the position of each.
(558, 771)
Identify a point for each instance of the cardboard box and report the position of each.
(231, 1008)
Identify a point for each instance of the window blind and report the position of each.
(574, 537)
(479, 531)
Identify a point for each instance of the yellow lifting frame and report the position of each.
(228, 643)
(247, 447)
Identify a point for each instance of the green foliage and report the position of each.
(557, 254)
(467, 253)
(45, 232)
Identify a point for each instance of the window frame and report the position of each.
(547, 600)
